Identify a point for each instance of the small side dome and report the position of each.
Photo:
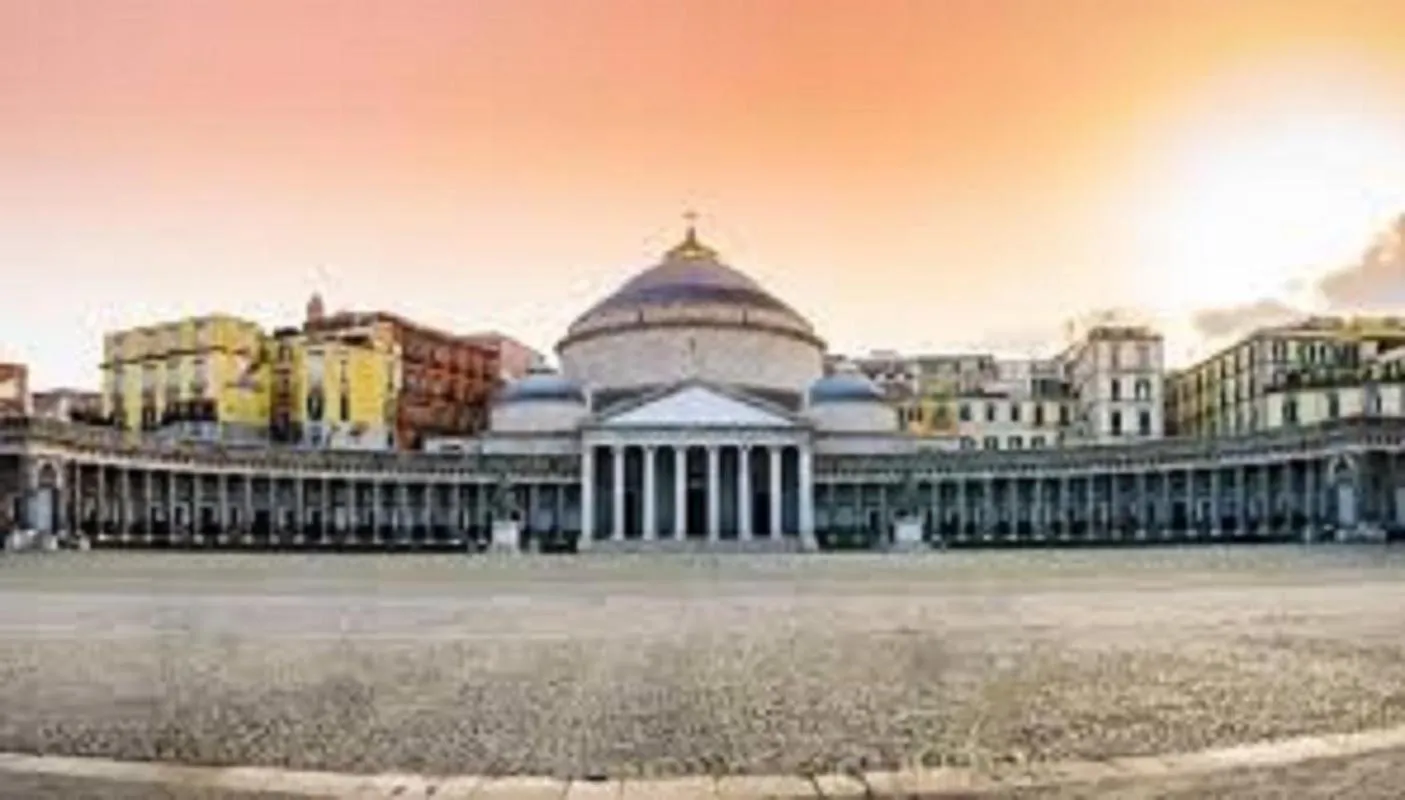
(541, 383)
(846, 385)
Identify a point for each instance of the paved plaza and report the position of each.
(660, 666)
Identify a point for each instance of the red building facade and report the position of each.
(447, 381)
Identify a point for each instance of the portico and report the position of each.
(696, 462)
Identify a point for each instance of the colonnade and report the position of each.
(716, 492)
(156, 506)
(707, 491)
(1291, 499)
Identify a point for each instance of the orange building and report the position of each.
(14, 390)
(447, 380)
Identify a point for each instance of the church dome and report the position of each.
(691, 317)
(539, 385)
(848, 402)
(845, 388)
(690, 274)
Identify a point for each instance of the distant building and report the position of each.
(446, 381)
(1116, 377)
(202, 376)
(515, 359)
(335, 387)
(1320, 367)
(69, 405)
(14, 390)
(976, 399)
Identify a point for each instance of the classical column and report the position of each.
(587, 536)
(805, 480)
(102, 501)
(680, 492)
(961, 508)
(1142, 501)
(1192, 504)
(1215, 513)
(146, 504)
(196, 501)
(1165, 477)
(352, 517)
(171, 487)
(988, 507)
(1090, 505)
(248, 516)
(617, 463)
(299, 508)
(429, 491)
(744, 492)
(1310, 501)
(1266, 502)
(773, 475)
(1241, 487)
(327, 507)
(651, 524)
(124, 484)
(714, 493)
(1036, 508)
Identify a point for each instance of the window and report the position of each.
(968, 443)
(1290, 410)
(1144, 423)
(1014, 412)
(1036, 442)
(1015, 443)
(1116, 389)
(1334, 406)
(1038, 415)
(964, 412)
(1063, 415)
(1114, 355)
(1144, 356)
(1142, 390)
(989, 412)
(992, 442)
(1115, 423)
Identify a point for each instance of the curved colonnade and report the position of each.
(1337, 480)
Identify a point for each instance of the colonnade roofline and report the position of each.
(24, 436)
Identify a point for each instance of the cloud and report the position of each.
(1376, 282)
(1227, 321)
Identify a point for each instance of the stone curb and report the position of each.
(900, 783)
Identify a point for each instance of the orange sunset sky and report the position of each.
(913, 175)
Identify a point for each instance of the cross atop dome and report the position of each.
(690, 248)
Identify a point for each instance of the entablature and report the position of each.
(1268, 447)
(101, 446)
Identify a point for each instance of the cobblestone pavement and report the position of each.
(640, 666)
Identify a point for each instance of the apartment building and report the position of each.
(1260, 381)
(1116, 384)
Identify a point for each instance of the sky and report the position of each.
(918, 175)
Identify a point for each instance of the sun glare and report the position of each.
(1259, 195)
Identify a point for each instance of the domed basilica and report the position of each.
(696, 400)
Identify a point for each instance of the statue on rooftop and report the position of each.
(504, 500)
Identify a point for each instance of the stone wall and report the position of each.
(719, 353)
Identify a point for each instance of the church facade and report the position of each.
(692, 411)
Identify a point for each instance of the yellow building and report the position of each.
(335, 389)
(206, 375)
(1240, 388)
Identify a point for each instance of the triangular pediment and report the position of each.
(697, 406)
